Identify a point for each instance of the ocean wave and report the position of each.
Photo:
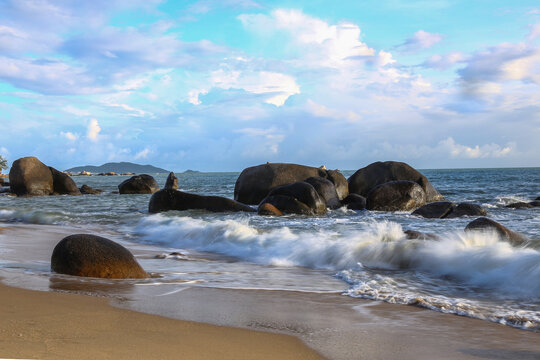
(31, 217)
(475, 259)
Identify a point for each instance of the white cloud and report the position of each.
(420, 40)
(534, 33)
(326, 112)
(76, 111)
(69, 135)
(93, 130)
(456, 150)
(143, 154)
(444, 62)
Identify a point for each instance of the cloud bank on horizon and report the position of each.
(221, 85)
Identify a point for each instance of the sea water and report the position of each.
(362, 254)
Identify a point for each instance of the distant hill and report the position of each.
(119, 167)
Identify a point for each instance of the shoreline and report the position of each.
(336, 326)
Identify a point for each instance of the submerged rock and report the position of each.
(417, 235)
(466, 209)
(435, 210)
(94, 256)
(520, 205)
(485, 224)
(87, 190)
(167, 199)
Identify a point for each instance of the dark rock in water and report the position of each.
(172, 182)
(537, 199)
(28, 177)
(535, 203)
(269, 209)
(166, 199)
(87, 190)
(63, 184)
(417, 235)
(520, 205)
(365, 179)
(326, 190)
(435, 210)
(485, 224)
(255, 183)
(296, 198)
(1, 181)
(399, 195)
(354, 202)
(466, 209)
(94, 256)
(139, 184)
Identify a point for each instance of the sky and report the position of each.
(220, 85)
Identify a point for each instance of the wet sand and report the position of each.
(336, 326)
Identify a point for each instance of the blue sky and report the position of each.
(222, 85)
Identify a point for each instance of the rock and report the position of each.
(435, 210)
(269, 209)
(534, 203)
(401, 195)
(255, 183)
(167, 199)
(29, 176)
(86, 173)
(466, 209)
(172, 182)
(128, 173)
(87, 190)
(520, 205)
(63, 184)
(417, 235)
(139, 184)
(326, 190)
(485, 224)
(355, 202)
(365, 179)
(1, 181)
(94, 256)
(296, 198)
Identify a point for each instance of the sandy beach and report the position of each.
(246, 324)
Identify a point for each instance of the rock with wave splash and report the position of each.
(520, 205)
(297, 198)
(168, 199)
(94, 256)
(255, 183)
(365, 179)
(485, 224)
(448, 210)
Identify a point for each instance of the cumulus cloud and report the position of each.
(456, 150)
(444, 62)
(421, 40)
(143, 154)
(69, 135)
(93, 130)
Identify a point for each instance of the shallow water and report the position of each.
(359, 253)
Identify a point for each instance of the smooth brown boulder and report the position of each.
(87, 190)
(94, 256)
(269, 210)
(296, 198)
(435, 210)
(139, 184)
(326, 190)
(367, 178)
(466, 209)
(29, 177)
(396, 196)
(63, 184)
(172, 182)
(354, 202)
(167, 199)
(255, 183)
(485, 224)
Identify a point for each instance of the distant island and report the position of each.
(191, 172)
(119, 167)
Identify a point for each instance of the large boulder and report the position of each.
(399, 195)
(296, 198)
(354, 202)
(63, 183)
(29, 176)
(94, 256)
(365, 179)
(167, 199)
(435, 210)
(255, 183)
(326, 190)
(139, 184)
(485, 224)
(172, 182)
(269, 210)
(466, 209)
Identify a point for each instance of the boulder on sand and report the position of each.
(28, 177)
(365, 179)
(296, 198)
(63, 184)
(94, 256)
(399, 195)
(139, 184)
(255, 183)
(167, 199)
(485, 224)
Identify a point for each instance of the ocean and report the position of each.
(360, 254)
